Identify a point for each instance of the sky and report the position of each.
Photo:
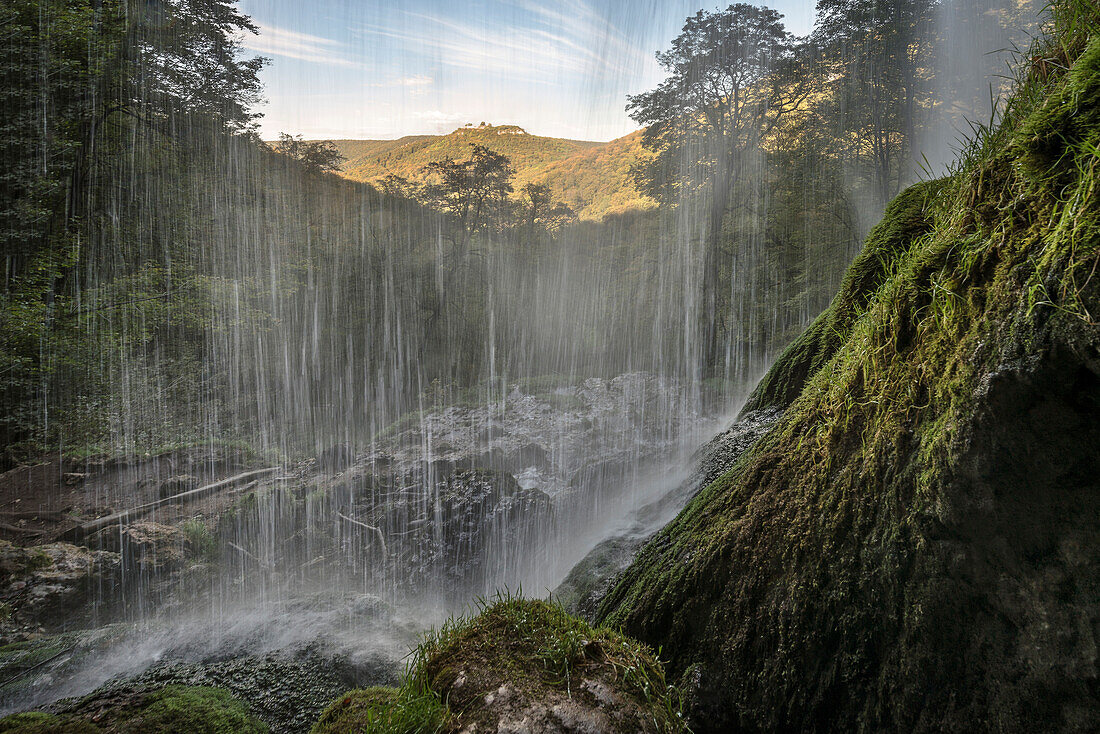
(381, 69)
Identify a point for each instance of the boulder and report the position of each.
(51, 586)
(146, 547)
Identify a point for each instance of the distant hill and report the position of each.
(593, 178)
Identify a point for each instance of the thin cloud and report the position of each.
(440, 121)
(577, 40)
(275, 41)
(579, 19)
(415, 81)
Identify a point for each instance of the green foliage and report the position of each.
(880, 48)
(314, 156)
(203, 542)
(47, 63)
(98, 93)
(185, 61)
(724, 92)
(473, 191)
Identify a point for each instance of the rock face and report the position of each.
(51, 586)
(478, 526)
(544, 432)
(915, 545)
(439, 529)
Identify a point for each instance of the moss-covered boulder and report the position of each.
(168, 710)
(405, 710)
(37, 722)
(915, 546)
(519, 666)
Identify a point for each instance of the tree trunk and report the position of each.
(708, 301)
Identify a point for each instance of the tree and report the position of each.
(474, 191)
(316, 156)
(186, 60)
(881, 51)
(728, 86)
(99, 95)
(537, 209)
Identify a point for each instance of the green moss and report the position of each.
(169, 710)
(908, 217)
(41, 723)
(531, 648)
(390, 710)
(197, 710)
(890, 555)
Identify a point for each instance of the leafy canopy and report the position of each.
(316, 156)
(723, 92)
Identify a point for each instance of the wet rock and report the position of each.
(51, 586)
(556, 431)
(528, 455)
(588, 581)
(286, 691)
(146, 547)
(336, 458)
(481, 523)
(492, 459)
(143, 709)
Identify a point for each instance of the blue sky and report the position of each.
(386, 68)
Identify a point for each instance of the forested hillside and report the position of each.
(594, 179)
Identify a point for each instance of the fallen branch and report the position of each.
(16, 529)
(36, 515)
(376, 531)
(36, 666)
(127, 516)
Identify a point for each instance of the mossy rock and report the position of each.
(915, 545)
(37, 722)
(168, 710)
(519, 665)
(907, 218)
(389, 710)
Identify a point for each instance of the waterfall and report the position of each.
(440, 407)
